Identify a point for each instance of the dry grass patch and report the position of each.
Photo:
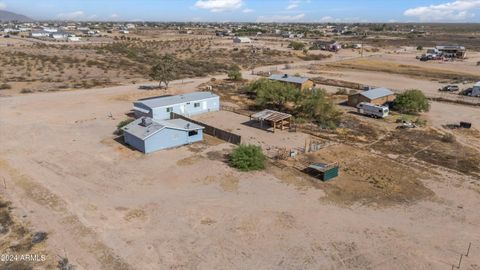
(432, 147)
(409, 70)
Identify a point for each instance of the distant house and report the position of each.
(50, 30)
(148, 135)
(73, 38)
(301, 83)
(59, 35)
(452, 51)
(242, 40)
(39, 34)
(377, 96)
(186, 104)
(331, 46)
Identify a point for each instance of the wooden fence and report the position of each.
(212, 131)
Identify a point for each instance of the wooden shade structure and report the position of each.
(273, 118)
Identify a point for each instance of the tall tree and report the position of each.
(165, 70)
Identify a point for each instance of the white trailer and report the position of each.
(373, 110)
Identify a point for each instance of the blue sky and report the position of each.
(251, 10)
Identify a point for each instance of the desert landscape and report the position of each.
(405, 198)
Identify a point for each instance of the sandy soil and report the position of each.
(110, 207)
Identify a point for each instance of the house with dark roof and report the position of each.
(301, 83)
(189, 104)
(377, 96)
(148, 135)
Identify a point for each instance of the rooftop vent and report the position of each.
(146, 121)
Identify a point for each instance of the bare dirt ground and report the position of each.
(110, 207)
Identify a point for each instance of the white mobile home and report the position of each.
(189, 104)
(242, 40)
(373, 110)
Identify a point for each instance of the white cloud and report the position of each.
(219, 5)
(75, 16)
(459, 10)
(3, 5)
(248, 10)
(292, 5)
(281, 18)
(114, 16)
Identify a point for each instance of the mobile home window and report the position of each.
(170, 109)
(192, 133)
(196, 104)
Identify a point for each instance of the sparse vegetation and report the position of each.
(296, 45)
(5, 86)
(411, 102)
(247, 158)
(312, 105)
(165, 70)
(235, 74)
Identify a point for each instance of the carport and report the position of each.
(273, 118)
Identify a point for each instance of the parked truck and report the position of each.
(373, 110)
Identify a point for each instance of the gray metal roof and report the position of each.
(270, 115)
(172, 100)
(137, 129)
(377, 93)
(288, 78)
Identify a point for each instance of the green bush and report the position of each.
(235, 75)
(411, 102)
(311, 105)
(120, 125)
(297, 46)
(247, 158)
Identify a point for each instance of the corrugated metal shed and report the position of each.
(172, 100)
(377, 93)
(288, 78)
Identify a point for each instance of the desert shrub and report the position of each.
(120, 125)
(310, 57)
(298, 46)
(341, 91)
(314, 105)
(26, 91)
(235, 74)
(272, 94)
(5, 86)
(449, 138)
(419, 47)
(411, 102)
(420, 122)
(247, 158)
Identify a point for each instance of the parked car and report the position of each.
(425, 58)
(449, 88)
